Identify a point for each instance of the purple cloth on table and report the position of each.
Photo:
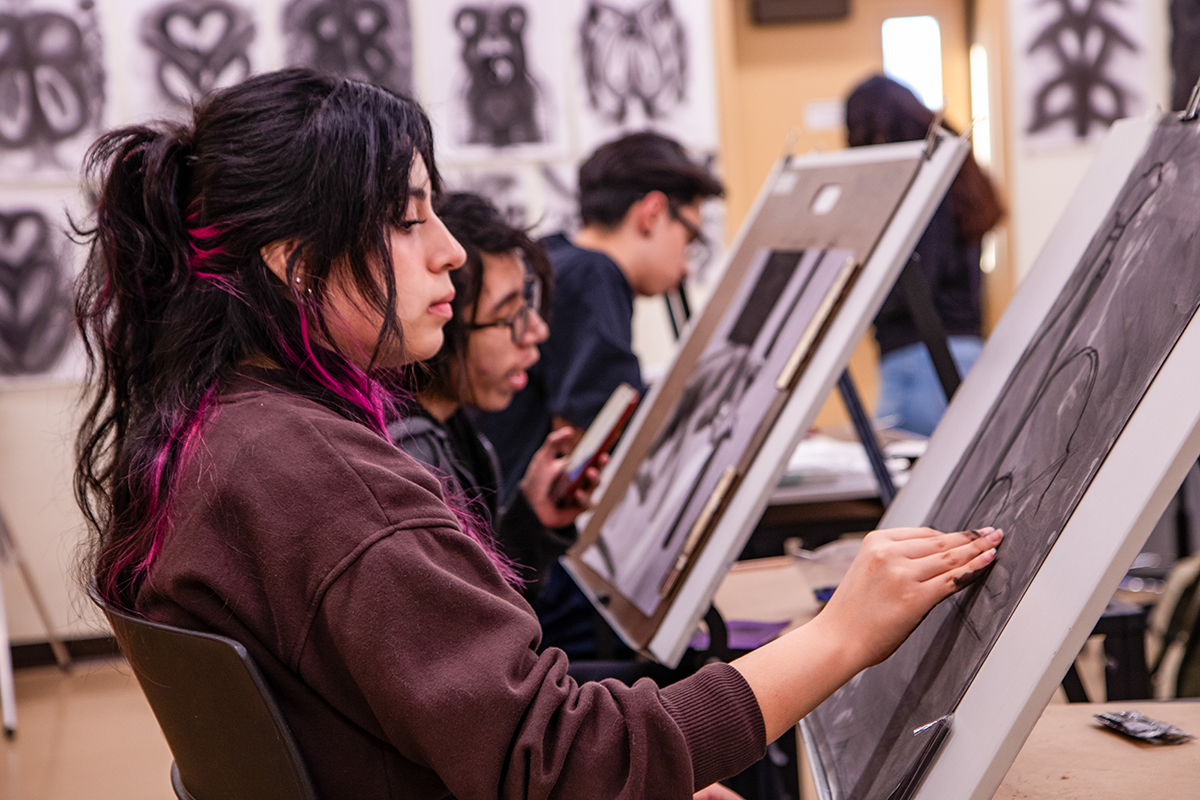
(744, 634)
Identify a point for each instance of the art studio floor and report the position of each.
(88, 733)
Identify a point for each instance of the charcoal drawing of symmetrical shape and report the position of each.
(1082, 43)
(198, 46)
(35, 300)
(501, 95)
(369, 40)
(1040, 445)
(635, 58)
(724, 406)
(51, 79)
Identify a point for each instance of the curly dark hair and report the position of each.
(176, 294)
(880, 110)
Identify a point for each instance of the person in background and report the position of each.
(491, 341)
(253, 277)
(880, 110)
(639, 203)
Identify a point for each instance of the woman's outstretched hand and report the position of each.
(896, 578)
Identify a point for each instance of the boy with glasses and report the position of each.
(490, 343)
(639, 203)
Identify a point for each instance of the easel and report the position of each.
(919, 299)
(10, 554)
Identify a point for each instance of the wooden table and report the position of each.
(1067, 756)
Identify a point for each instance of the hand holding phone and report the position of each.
(599, 440)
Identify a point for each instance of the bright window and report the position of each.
(912, 55)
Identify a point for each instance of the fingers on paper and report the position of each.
(957, 556)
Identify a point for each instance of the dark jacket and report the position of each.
(951, 268)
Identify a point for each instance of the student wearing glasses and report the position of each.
(639, 203)
(490, 343)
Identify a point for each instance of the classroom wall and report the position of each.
(771, 78)
(37, 424)
(767, 78)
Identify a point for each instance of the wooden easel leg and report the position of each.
(10, 553)
(56, 644)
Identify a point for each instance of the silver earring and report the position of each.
(297, 279)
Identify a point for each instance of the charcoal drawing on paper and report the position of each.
(197, 47)
(647, 539)
(1084, 92)
(369, 40)
(501, 96)
(1044, 439)
(634, 59)
(36, 319)
(51, 85)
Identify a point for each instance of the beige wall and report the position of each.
(768, 74)
(37, 423)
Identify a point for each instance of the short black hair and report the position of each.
(480, 228)
(624, 171)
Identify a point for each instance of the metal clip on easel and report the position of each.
(931, 138)
(1192, 112)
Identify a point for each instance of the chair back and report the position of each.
(228, 737)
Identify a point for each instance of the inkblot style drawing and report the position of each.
(198, 47)
(500, 94)
(1082, 91)
(369, 40)
(634, 59)
(35, 302)
(51, 79)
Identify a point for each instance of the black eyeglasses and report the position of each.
(698, 247)
(519, 321)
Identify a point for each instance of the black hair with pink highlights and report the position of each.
(176, 294)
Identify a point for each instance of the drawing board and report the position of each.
(693, 474)
(1071, 433)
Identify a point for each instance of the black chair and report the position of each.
(227, 735)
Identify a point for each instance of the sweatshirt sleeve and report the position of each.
(419, 639)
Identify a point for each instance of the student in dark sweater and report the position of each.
(500, 297)
(251, 276)
(880, 110)
(639, 201)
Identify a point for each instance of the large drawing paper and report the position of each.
(175, 52)
(643, 64)
(38, 264)
(727, 398)
(492, 78)
(1035, 453)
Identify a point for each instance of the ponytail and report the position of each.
(175, 293)
(142, 424)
